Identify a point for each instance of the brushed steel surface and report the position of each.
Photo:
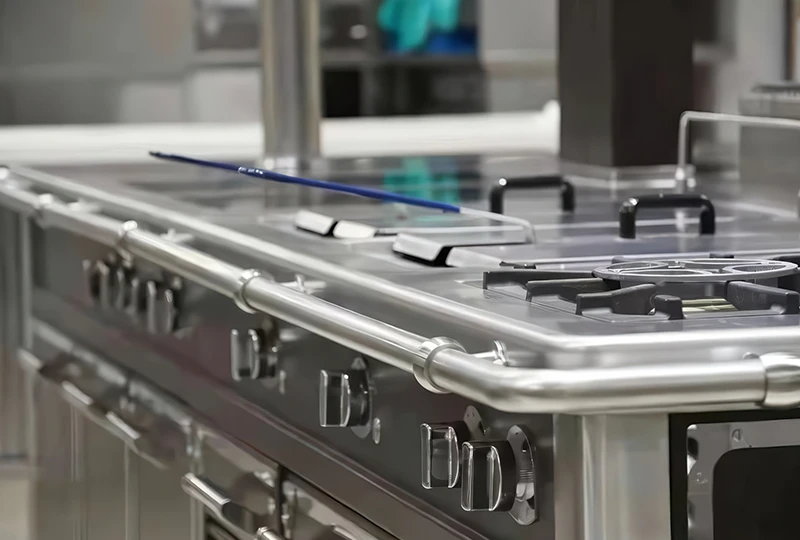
(514, 389)
(285, 427)
(594, 473)
(291, 101)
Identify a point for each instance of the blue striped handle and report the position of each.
(379, 194)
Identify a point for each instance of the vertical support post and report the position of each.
(14, 313)
(291, 82)
(625, 476)
(132, 515)
(625, 77)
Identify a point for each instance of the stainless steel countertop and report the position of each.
(581, 240)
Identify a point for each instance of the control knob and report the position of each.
(161, 307)
(97, 276)
(490, 474)
(441, 446)
(255, 356)
(499, 476)
(343, 398)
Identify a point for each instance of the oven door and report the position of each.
(76, 450)
(233, 490)
(311, 515)
(157, 507)
(741, 481)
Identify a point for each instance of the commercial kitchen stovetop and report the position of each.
(597, 317)
(413, 246)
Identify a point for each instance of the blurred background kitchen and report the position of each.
(123, 61)
(198, 62)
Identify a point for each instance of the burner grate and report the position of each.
(712, 269)
(671, 290)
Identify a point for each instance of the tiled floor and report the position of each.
(14, 491)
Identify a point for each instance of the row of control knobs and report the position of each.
(118, 287)
(494, 475)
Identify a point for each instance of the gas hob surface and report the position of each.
(461, 259)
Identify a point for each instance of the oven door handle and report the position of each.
(220, 504)
(344, 534)
(268, 534)
(88, 407)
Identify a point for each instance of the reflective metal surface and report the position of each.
(659, 386)
(291, 80)
(519, 362)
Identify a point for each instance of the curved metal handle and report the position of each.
(137, 441)
(220, 504)
(344, 534)
(80, 401)
(497, 193)
(87, 406)
(266, 533)
(629, 209)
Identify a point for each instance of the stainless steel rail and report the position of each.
(688, 117)
(440, 364)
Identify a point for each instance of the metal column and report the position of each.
(625, 77)
(291, 88)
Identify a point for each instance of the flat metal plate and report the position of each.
(433, 247)
(590, 248)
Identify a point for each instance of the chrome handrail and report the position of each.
(440, 364)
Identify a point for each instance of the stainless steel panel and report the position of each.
(347, 467)
(164, 510)
(104, 486)
(311, 515)
(126, 479)
(626, 483)
(236, 489)
(55, 492)
(74, 493)
(158, 506)
(551, 353)
(12, 327)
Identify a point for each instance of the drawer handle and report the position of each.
(343, 533)
(266, 533)
(86, 405)
(220, 504)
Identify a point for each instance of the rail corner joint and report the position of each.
(782, 380)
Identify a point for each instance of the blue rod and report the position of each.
(379, 194)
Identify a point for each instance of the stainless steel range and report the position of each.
(215, 357)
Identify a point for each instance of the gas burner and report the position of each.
(718, 286)
(695, 270)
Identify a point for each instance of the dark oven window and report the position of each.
(734, 475)
(757, 494)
